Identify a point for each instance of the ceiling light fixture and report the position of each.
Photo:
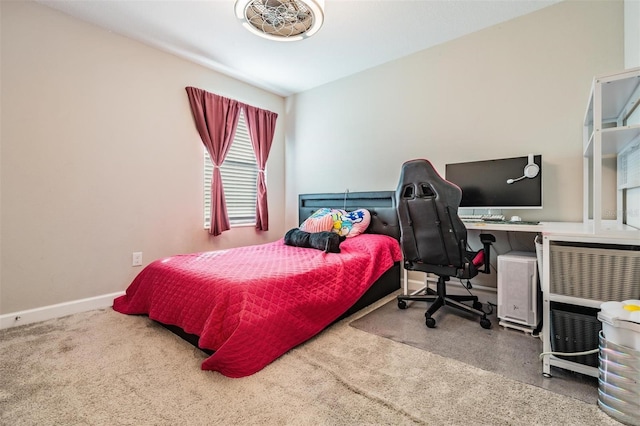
(281, 20)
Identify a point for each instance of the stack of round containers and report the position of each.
(619, 361)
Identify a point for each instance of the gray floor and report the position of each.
(511, 353)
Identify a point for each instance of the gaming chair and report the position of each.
(434, 239)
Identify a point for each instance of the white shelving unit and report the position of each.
(585, 269)
(611, 128)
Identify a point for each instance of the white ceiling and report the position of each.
(356, 35)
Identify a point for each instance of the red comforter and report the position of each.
(252, 304)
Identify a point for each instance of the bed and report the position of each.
(249, 305)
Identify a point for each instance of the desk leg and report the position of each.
(546, 309)
(405, 283)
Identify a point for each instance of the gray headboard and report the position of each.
(381, 204)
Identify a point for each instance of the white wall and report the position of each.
(516, 88)
(101, 158)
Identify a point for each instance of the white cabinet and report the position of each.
(612, 130)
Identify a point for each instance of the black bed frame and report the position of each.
(384, 220)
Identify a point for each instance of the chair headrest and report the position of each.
(425, 180)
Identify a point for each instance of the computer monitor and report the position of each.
(485, 184)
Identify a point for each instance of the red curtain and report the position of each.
(216, 119)
(261, 125)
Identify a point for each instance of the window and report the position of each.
(239, 178)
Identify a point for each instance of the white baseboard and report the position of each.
(414, 285)
(56, 311)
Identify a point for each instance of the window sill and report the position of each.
(243, 225)
(236, 225)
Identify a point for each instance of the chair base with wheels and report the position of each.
(440, 298)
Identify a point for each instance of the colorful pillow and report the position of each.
(319, 221)
(343, 223)
(350, 224)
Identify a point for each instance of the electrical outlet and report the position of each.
(136, 258)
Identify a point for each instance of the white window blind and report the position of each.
(239, 177)
(629, 167)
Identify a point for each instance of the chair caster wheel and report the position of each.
(477, 305)
(402, 304)
(485, 323)
(431, 323)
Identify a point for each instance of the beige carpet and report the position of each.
(105, 368)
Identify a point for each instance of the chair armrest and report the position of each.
(486, 240)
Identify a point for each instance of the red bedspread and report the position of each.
(252, 304)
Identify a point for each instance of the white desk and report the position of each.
(611, 229)
(566, 233)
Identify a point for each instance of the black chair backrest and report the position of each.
(431, 231)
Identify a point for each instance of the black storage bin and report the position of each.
(575, 329)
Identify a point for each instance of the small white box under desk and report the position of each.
(519, 294)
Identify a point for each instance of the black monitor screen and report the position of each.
(484, 183)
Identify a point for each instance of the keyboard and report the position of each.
(524, 222)
(493, 217)
(476, 219)
(482, 217)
